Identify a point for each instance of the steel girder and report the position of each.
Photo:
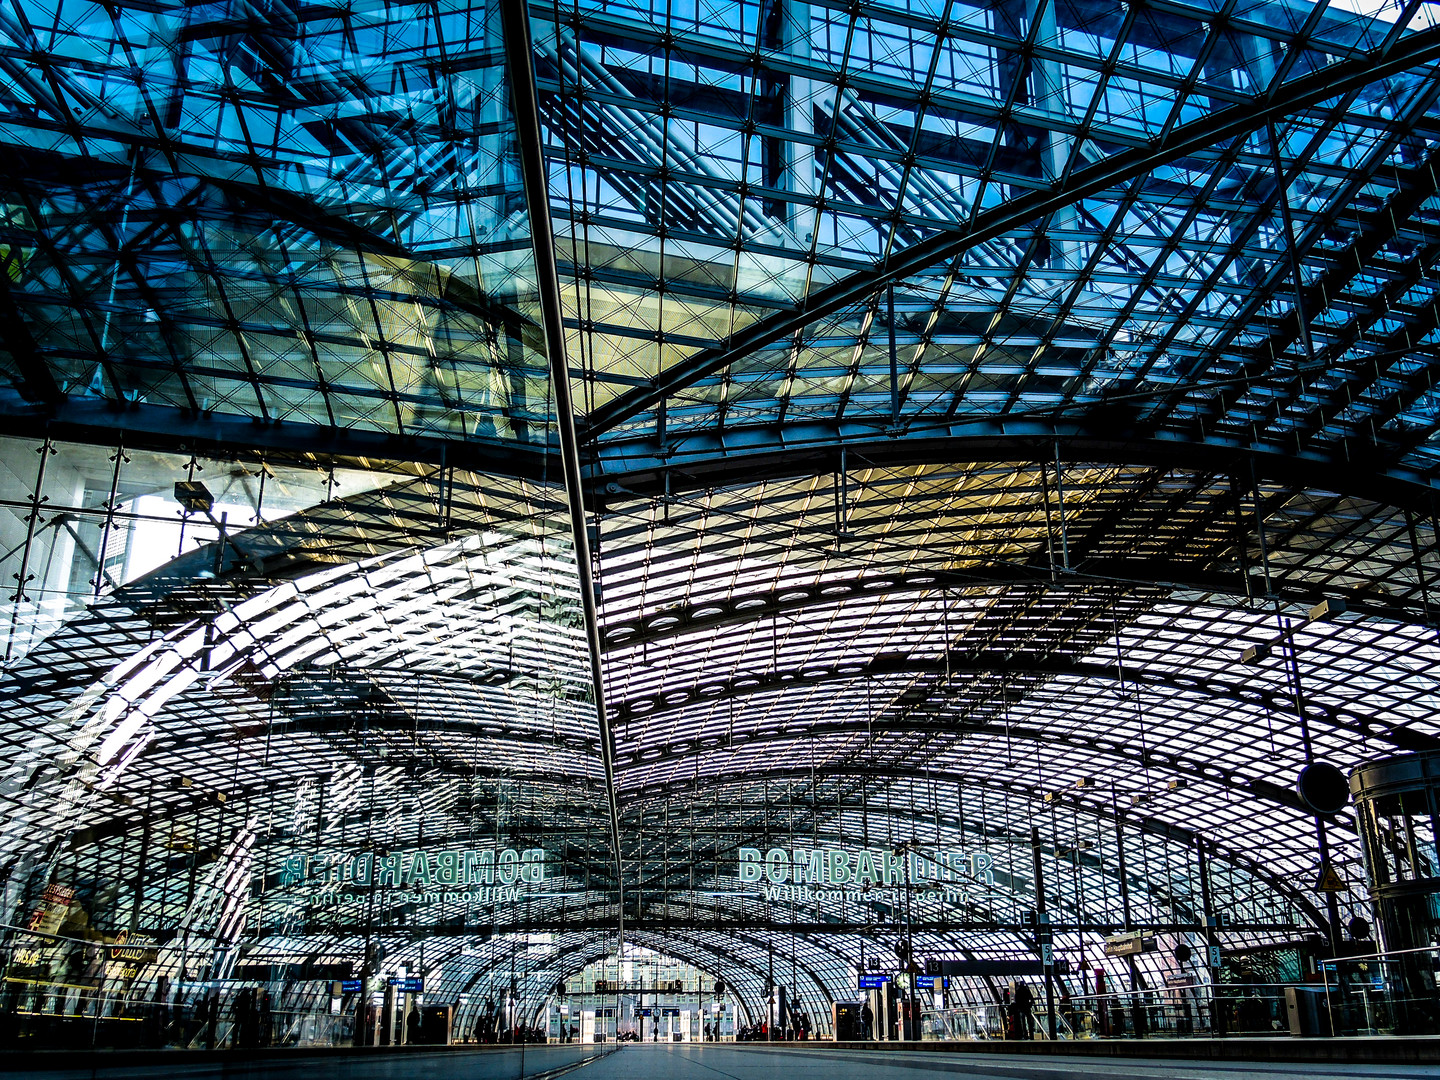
(520, 61)
(1261, 790)
(741, 609)
(711, 690)
(144, 425)
(742, 454)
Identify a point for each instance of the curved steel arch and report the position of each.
(598, 950)
(340, 725)
(1151, 825)
(741, 455)
(662, 935)
(698, 616)
(742, 685)
(587, 940)
(815, 979)
(1260, 790)
(603, 952)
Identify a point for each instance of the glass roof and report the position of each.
(960, 389)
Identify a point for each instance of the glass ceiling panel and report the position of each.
(716, 172)
(298, 216)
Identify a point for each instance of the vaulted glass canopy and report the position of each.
(959, 390)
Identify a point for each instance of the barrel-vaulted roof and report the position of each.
(959, 389)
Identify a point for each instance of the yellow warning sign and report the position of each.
(1330, 881)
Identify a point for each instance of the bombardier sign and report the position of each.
(475, 876)
(832, 873)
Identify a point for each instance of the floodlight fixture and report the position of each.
(1256, 654)
(1327, 609)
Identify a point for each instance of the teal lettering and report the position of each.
(816, 874)
(389, 872)
(447, 868)
(893, 869)
(419, 869)
(865, 873)
(980, 864)
(480, 868)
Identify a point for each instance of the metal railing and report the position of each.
(991, 1021)
(41, 1014)
(1168, 1012)
(1392, 993)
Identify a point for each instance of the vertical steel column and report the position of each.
(1049, 524)
(108, 527)
(1322, 837)
(1212, 944)
(1124, 885)
(525, 106)
(1060, 500)
(138, 897)
(1242, 538)
(22, 578)
(894, 360)
(36, 501)
(1042, 932)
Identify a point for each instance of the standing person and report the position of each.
(198, 1015)
(212, 1016)
(264, 1020)
(240, 1013)
(1025, 1012)
(867, 1021)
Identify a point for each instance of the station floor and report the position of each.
(700, 1062)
